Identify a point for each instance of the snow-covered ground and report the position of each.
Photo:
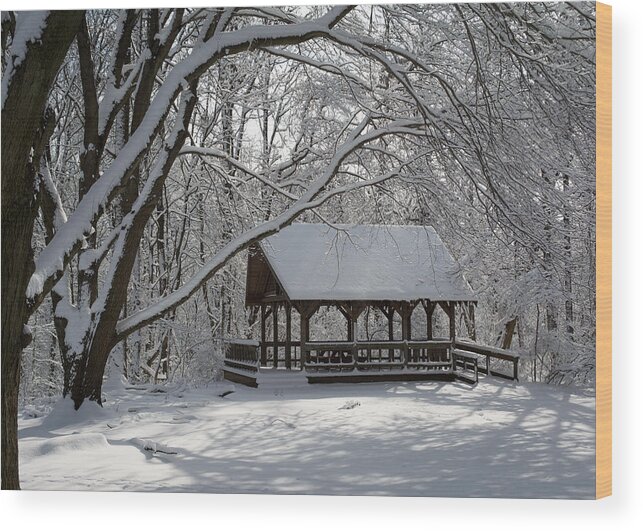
(409, 439)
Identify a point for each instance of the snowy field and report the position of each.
(498, 439)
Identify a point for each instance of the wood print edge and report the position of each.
(603, 250)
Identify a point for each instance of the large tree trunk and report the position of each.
(102, 337)
(84, 369)
(22, 118)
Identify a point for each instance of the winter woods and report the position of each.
(144, 150)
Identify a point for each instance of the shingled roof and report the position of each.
(316, 262)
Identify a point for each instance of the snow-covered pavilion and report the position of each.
(394, 269)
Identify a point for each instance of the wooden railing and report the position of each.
(465, 366)
(434, 355)
(377, 356)
(241, 361)
(280, 351)
(488, 353)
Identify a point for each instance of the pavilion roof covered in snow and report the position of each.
(316, 262)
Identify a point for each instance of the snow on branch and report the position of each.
(148, 196)
(29, 28)
(213, 152)
(69, 238)
(309, 199)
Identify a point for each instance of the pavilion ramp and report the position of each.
(497, 362)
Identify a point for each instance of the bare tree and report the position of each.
(39, 43)
(254, 117)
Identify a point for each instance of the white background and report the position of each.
(624, 510)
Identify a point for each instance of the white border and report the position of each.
(55, 510)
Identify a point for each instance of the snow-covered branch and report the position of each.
(68, 238)
(309, 199)
(213, 152)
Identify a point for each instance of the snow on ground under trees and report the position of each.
(498, 439)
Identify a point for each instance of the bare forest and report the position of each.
(144, 151)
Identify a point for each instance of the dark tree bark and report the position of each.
(569, 305)
(510, 327)
(22, 125)
(102, 338)
(90, 157)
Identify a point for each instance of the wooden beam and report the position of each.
(445, 306)
(405, 310)
(390, 314)
(345, 310)
(429, 307)
(288, 335)
(306, 311)
(274, 298)
(304, 336)
(275, 335)
(451, 314)
(356, 309)
(263, 335)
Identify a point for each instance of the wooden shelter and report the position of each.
(393, 269)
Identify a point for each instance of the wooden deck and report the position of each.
(372, 361)
(487, 354)
(241, 362)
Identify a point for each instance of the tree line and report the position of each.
(144, 150)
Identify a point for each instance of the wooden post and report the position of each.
(390, 315)
(429, 307)
(275, 334)
(352, 311)
(345, 310)
(353, 333)
(306, 311)
(451, 307)
(404, 310)
(263, 335)
(303, 336)
(288, 335)
(452, 322)
(355, 311)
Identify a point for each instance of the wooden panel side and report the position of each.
(258, 276)
(603, 250)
